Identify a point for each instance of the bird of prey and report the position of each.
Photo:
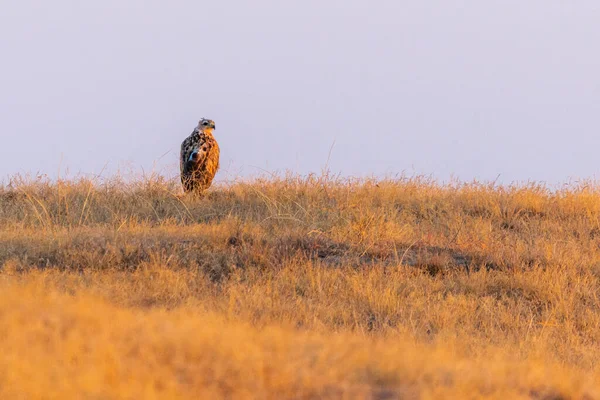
(199, 158)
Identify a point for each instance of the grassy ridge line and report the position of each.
(56, 345)
(411, 221)
(303, 200)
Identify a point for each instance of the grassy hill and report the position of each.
(299, 287)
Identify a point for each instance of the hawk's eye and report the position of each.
(205, 123)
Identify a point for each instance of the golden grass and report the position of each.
(299, 288)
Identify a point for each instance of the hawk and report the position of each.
(199, 158)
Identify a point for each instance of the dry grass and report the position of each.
(299, 288)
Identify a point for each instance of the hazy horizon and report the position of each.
(492, 90)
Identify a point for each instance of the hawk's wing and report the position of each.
(192, 154)
(186, 150)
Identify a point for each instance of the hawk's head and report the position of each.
(206, 125)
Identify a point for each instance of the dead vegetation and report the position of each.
(300, 287)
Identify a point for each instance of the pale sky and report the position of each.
(469, 89)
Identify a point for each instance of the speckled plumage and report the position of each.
(199, 159)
